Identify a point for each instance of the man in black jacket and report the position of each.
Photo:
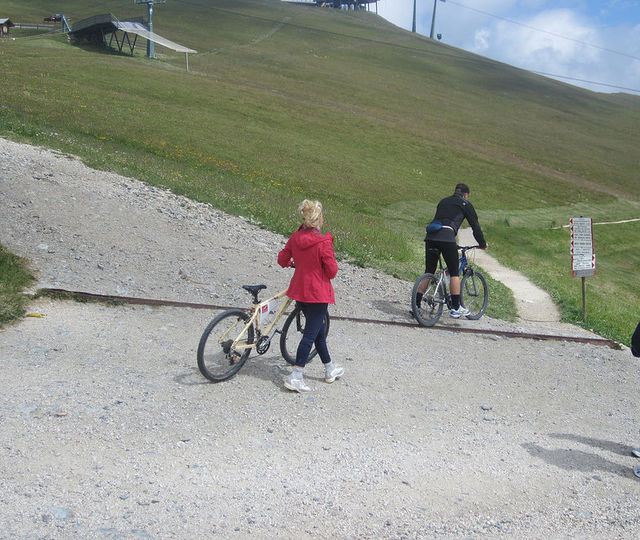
(441, 238)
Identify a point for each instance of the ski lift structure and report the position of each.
(338, 4)
(150, 3)
(105, 29)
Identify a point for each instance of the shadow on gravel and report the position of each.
(274, 369)
(609, 446)
(191, 378)
(577, 460)
(395, 309)
(269, 368)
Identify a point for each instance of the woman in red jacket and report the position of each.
(315, 267)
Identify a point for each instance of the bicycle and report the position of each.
(474, 294)
(228, 339)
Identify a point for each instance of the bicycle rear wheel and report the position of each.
(217, 360)
(474, 294)
(292, 332)
(433, 300)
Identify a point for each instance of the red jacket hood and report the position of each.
(306, 238)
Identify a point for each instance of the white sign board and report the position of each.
(267, 311)
(583, 257)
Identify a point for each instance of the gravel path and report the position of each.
(109, 430)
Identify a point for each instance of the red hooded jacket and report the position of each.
(316, 266)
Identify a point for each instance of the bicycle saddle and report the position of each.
(254, 289)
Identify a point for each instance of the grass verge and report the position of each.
(14, 278)
(612, 295)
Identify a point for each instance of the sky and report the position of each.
(580, 42)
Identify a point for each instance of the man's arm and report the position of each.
(472, 218)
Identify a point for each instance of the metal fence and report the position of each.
(36, 26)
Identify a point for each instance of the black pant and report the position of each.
(449, 251)
(314, 333)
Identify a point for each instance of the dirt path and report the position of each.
(109, 430)
(534, 305)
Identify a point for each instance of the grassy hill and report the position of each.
(284, 102)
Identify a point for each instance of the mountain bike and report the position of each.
(474, 294)
(230, 337)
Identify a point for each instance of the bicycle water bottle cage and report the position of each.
(254, 290)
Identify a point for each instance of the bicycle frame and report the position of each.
(463, 263)
(431, 291)
(461, 267)
(255, 320)
(441, 273)
(442, 282)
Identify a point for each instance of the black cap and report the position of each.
(462, 188)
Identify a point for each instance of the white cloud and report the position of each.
(536, 35)
(481, 40)
(559, 40)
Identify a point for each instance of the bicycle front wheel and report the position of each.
(433, 300)
(292, 333)
(217, 359)
(474, 294)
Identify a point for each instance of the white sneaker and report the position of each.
(333, 372)
(636, 470)
(636, 452)
(296, 384)
(460, 312)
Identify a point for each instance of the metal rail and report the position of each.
(465, 330)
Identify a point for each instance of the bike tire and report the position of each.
(214, 362)
(291, 335)
(474, 294)
(433, 301)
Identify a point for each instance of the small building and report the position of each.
(5, 24)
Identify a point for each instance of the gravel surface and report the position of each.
(109, 430)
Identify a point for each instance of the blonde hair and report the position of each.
(310, 212)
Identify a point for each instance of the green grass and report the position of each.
(14, 278)
(283, 102)
(502, 304)
(612, 295)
